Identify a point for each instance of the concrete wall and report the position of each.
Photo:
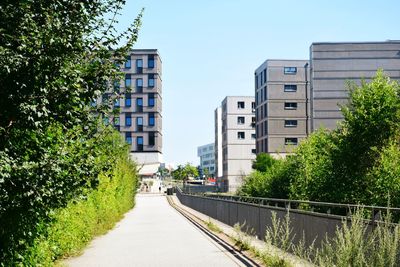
(259, 217)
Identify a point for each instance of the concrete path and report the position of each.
(153, 234)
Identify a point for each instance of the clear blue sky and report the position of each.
(210, 49)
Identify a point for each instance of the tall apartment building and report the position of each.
(207, 158)
(140, 119)
(296, 97)
(238, 140)
(281, 93)
(332, 64)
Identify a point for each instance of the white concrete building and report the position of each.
(237, 140)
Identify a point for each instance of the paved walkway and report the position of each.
(153, 234)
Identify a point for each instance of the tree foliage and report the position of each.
(263, 162)
(56, 57)
(356, 163)
(183, 172)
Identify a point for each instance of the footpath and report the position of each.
(154, 234)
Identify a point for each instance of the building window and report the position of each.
(151, 100)
(290, 123)
(253, 122)
(240, 135)
(289, 70)
(152, 138)
(265, 75)
(106, 120)
(128, 120)
(240, 105)
(116, 103)
(151, 80)
(139, 66)
(139, 82)
(150, 62)
(139, 142)
(128, 62)
(290, 88)
(128, 137)
(152, 120)
(253, 136)
(128, 100)
(139, 105)
(253, 151)
(290, 105)
(291, 141)
(139, 124)
(253, 107)
(128, 80)
(240, 120)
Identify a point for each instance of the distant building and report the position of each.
(140, 117)
(237, 140)
(281, 92)
(207, 158)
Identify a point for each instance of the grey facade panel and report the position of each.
(336, 64)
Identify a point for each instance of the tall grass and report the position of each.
(356, 243)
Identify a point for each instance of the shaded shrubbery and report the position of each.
(356, 163)
(72, 227)
(36, 230)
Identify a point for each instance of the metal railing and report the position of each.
(326, 208)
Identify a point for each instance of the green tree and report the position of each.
(356, 163)
(56, 57)
(183, 172)
(206, 172)
(336, 166)
(177, 174)
(263, 162)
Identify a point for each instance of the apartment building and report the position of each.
(238, 140)
(332, 64)
(281, 93)
(139, 120)
(296, 97)
(206, 153)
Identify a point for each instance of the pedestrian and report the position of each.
(159, 189)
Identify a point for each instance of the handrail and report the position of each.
(294, 204)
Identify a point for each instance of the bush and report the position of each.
(356, 163)
(273, 183)
(101, 197)
(74, 226)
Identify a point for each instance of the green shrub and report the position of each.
(74, 226)
(273, 183)
(55, 230)
(356, 163)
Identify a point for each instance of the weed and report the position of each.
(213, 227)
